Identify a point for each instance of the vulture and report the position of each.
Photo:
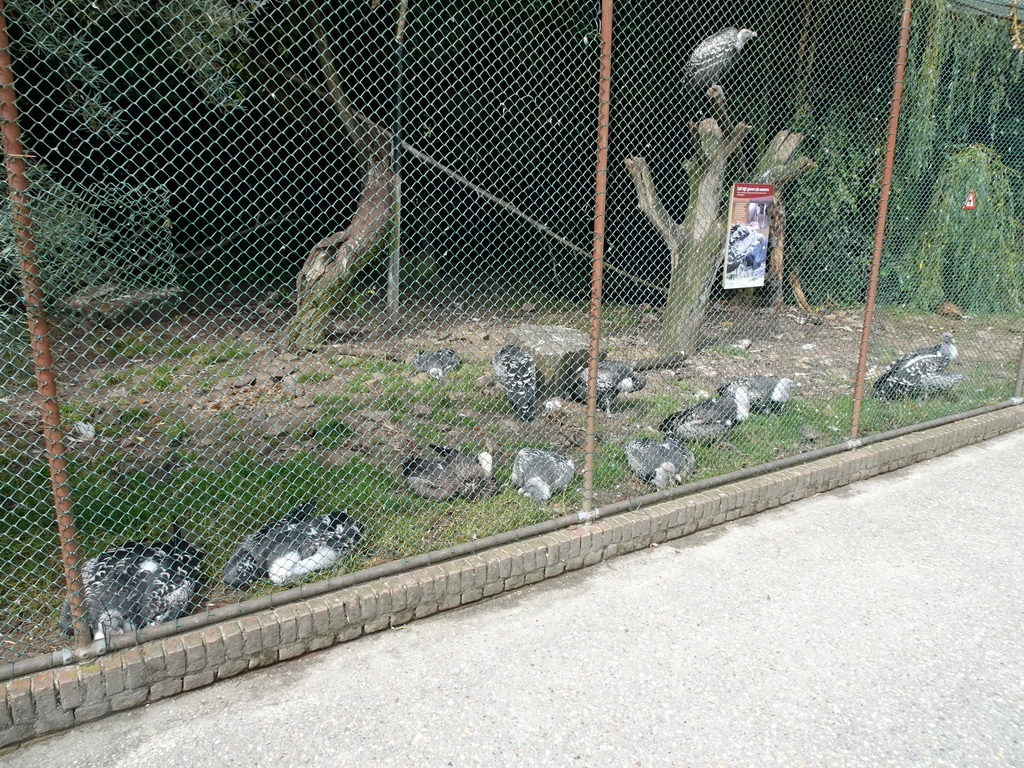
(712, 58)
(437, 364)
(538, 473)
(748, 248)
(137, 585)
(613, 377)
(709, 420)
(450, 474)
(293, 546)
(920, 373)
(661, 464)
(766, 394)
(516, 374)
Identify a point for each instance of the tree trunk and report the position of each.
(778, 249)
(696, 246)
(335, 260)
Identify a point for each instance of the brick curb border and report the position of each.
(57, 699)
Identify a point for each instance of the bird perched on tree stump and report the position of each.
(712, 58)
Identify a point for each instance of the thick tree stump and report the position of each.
(696, 245)
(558, 351)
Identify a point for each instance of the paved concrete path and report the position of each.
(882, 624)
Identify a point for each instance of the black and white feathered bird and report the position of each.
(450, 474)
(921, 372)
(661, 464)
(516, 374)
(538, 473)
(613, 377)
(137, 585)
(437, 364)
(766, 394)
(748, 248)
(709, 420)
(712, 58)
(293, 546)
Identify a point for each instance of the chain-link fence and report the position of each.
(318, 276)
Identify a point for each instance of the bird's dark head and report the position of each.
(243, 569)
(480, 486)
(344, 532)
(668, 425)
(743, 36)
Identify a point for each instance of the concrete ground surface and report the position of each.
(880, 624)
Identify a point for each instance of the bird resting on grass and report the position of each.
(766, 393)
(920, 373)
(437, 364)
(137, 585)
(516, 374)
(613, 378)
(293, 546)
(709, 420)
(661, 464)
(538, 473)
(450, 474)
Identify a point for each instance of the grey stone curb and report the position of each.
(54, 700)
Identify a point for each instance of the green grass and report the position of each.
(168, 358)
(336, 403)
(114, 503)
(150, 345)
(313, 377)
(332, 432)
(116, 500)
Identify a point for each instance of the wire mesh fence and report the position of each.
(318, 276)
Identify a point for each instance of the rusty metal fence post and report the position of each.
(42, 357)
(597, 276)
(883, 209)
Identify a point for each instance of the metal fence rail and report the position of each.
(313, 288)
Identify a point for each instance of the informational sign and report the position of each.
(746, 249)
(969, 202)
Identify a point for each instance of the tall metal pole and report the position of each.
(597, 276)
(883, 209)
(39, 332)
(1019, 386)
(395, 254)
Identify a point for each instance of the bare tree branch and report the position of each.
(649, 202)
(453, 174)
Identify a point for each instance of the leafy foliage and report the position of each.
(962, 84)
(193, 96)
(87, 237)
(970, 257)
